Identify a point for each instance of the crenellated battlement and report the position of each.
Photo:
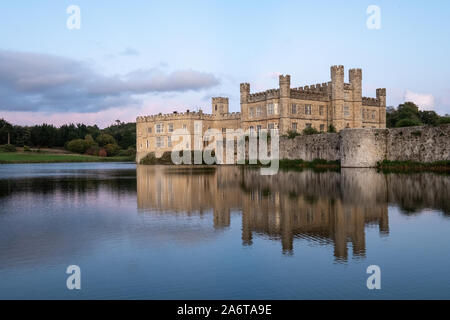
(261, 96)
(371, 102)
(188, 115)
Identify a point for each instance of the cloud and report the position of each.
(129, 52)
(40, 82)
(273, 75)
(424, 101)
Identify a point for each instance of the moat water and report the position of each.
(221, 233)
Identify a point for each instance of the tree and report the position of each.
(430, 118)
(331, 128)
(104, 139)
(112, 149)
(444, 120)
(77, 146)
(408, 122)
(310, 130)
(5, 132)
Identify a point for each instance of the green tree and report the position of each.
(6, 130)
(104, 139)
(331, 128)
(310, 130)
(408, 122)
(77, 146)
(112, 149)
(430, 118)
(444, 120)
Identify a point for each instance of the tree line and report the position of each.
(408, 114)
(120, 136)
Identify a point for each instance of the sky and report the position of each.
(140, 57)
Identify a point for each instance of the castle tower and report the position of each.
(355, 76)
(285, 96)
(337, 97)
(245, 92)
(219, 105)
(381, 96)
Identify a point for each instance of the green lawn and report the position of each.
(17, 157)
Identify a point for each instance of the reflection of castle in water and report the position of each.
(328, 208)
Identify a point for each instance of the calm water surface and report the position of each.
(225, 233)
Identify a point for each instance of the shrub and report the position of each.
(291, 134)
(112, 149)
(127, 153)
(77, 146)
(309, 131)
(151, 159)
(408, 123)
(93, 150)
(26, 149)
(444, 120)
(166, 158)
(90, 142)
(331, 129)
(104, 139)
(8, 148)
(102, 153)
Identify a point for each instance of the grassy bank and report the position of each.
(411, 166)
(315, 164)
(17, 157)
(318, 164)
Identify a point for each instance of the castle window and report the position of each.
(170, 127)
(147, 144)
(252, 112)
(159, 128)
(270, 108)
(215, 107)
(149, 130)
(224, 130)
(258, 111)
(294, 126)
(275, 108)
(169, 141)
(294, 108)
(373, 115)
(308, 109)
(321, 110)
(184, 127)
(159, 142)
(271, 126)
(252, 128)
(362, 114)
(258, 128)
(346, 111)
(322, 128)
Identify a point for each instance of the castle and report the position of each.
(320, 106)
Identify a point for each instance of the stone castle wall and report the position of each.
(363, 148)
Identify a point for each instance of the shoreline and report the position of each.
(24, 158)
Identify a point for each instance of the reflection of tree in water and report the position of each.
(114, 181)
(418, 191)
